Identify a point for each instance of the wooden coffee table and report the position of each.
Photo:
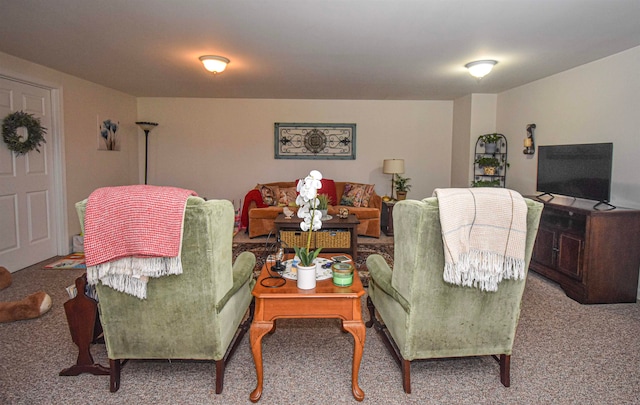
(349, 224)
(325, 301)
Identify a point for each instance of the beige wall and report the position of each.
(461, 155)
(222, 147)
(596, 102)
(82, 102)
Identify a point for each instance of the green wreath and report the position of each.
(14, 141)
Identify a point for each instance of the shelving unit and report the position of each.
(500, 176)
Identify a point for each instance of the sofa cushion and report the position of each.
(357, 195)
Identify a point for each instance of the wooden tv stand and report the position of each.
(593, 254)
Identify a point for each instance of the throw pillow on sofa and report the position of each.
(329, 188)
(269, 194)
(287, 196)
(357, 195)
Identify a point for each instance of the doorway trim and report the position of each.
(59, 191)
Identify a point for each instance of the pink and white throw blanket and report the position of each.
(484, 235)
(132, 233)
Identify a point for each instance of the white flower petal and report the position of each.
(316, 174)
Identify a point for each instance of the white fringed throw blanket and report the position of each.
(132, 233)
(484, 234)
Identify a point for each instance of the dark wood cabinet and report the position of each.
(594, 255)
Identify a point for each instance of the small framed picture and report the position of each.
(340, 259)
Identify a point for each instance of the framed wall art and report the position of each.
(108, 134)
(315, 141)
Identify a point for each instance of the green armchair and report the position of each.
(196, 315)
(422, 316)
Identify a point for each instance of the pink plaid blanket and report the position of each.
(138, 221)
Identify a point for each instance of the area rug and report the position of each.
(72, 261)
(364, 250)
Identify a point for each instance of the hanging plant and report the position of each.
(18, 143)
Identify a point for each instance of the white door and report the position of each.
(27, 233)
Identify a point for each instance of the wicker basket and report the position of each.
(296, 238)
(333, 238)
(330, 238)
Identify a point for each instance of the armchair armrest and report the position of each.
(242, 272)
(381, 275)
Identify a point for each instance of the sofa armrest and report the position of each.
(381, 275)
(375, 202)
(242, 272)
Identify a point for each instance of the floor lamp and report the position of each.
(146, 127)
(393, 167)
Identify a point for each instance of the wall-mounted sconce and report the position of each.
(529, 143)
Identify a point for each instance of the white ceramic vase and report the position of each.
(306, 277)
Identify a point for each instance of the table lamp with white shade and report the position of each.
(393, 167)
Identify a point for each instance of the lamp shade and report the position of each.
(147, 126)
(393, 166)
(480, 68)
(214, 64)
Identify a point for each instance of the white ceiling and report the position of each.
(315, 49)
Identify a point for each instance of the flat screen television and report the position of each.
(580, 171)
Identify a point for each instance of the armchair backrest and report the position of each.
(455, 320)
(183, 315)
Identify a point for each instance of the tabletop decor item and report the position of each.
(308, 202)
(402, 187)
(342, 274)
(343, 213)
(323, 206)
(22, 132)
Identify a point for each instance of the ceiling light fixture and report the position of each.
(214, 64)
(480, 68)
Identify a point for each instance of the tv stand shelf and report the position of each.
(591, 253)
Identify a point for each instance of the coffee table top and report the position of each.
(335, 221)
(324, 288)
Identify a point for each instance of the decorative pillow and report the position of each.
(357, 195)
(287, 196)
(269, 194)
(329, 188)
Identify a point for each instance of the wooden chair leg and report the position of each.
(219, 376)
(114, 373)
(505, 370)
(406, 376)
(372, 312)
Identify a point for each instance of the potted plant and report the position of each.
(311, 221)
(489, 164)
(323, 204)
(486, 183)
(402, 187)
(490, 142)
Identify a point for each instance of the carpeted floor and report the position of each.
(564, 353)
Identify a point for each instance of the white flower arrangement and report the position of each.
(308, 201)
